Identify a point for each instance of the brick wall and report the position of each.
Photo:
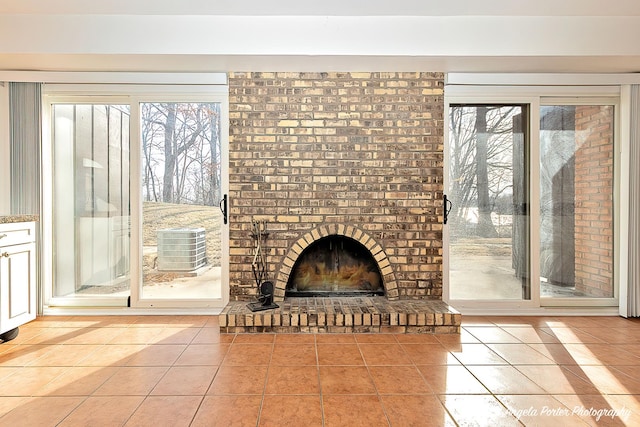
(315, 153)
(594, 202)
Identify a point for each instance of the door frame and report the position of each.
(130, 94)
(213, 94)
(534, 96)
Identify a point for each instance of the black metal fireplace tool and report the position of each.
(259, 267)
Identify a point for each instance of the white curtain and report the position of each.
(25, 106)
(633, 291)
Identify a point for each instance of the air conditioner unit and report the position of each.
(181, 249)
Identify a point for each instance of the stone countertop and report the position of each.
(8, 219)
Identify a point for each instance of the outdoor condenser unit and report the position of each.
(181, 249)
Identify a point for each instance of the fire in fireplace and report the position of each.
(335, 265)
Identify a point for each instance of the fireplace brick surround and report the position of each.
(354, 154)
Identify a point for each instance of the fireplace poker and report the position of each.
(259, 267)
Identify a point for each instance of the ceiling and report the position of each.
(550, 36)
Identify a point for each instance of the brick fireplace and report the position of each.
(358, 155)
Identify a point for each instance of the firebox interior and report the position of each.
(335, 265)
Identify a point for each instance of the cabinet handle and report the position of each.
(5, 254)
(2, 236)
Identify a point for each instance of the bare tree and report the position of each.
(181, 148)
(481, 163)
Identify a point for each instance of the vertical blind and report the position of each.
(633, 291)
(25, 132)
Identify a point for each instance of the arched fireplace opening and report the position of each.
(335, 266)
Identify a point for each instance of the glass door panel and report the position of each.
(181, 193)
(488, 189)
(91, 212)
(576, 201)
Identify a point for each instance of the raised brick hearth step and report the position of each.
(343, 315)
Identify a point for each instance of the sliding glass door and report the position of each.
(576, 200)
(91, 202)
(530, 202)
(137, 186)
(488, 220)
(182, 190)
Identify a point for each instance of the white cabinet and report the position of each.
(17, 277)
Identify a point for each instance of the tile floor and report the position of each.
(180, 371)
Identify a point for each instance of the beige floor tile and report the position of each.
(103, 411)
(384, 354)
(607, 379)
(295, 339)
(157, 355)
(455, 341)
(614, 335)
(211, 336)
(429, 354)
(472, 410)
(112, 355)
(530, 334)
(451, 379)
(41, 411)
(186, 381)
(540, 410)
(66, 355)
(571, 335)
(520, 354)
(77, 381)
(335, 339)
(28, 380)
(8, 404)
(398, 380)
(255, 338)
(132, 381)
(593, 409)
(225, 411)
(165, 411)
(417, 338)
(23, 355)
(137, 335)
(505, 380)
(472, 320)
(346, 380)
(51, 336)
(241, 354)
(416, 411)
(556, 380)
(631, 348)
(478, 354)
(108, 371)
(353, 411)
(203, 354)
(294, 354)
(558, 353)
(293, 380)
(339, 354)
(376, 338)
(232, 379)
(291, 411)
(174, 335)
(491, 335)
(95, 335)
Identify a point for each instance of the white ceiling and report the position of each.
(566, 36)
(327, 7)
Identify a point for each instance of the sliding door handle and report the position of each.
(447, 208)
(223, 208)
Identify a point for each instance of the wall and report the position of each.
(594, 201)
(5, 152)
(311, 151)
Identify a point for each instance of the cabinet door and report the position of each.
(17, 285)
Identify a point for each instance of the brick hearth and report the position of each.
(343, 315)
